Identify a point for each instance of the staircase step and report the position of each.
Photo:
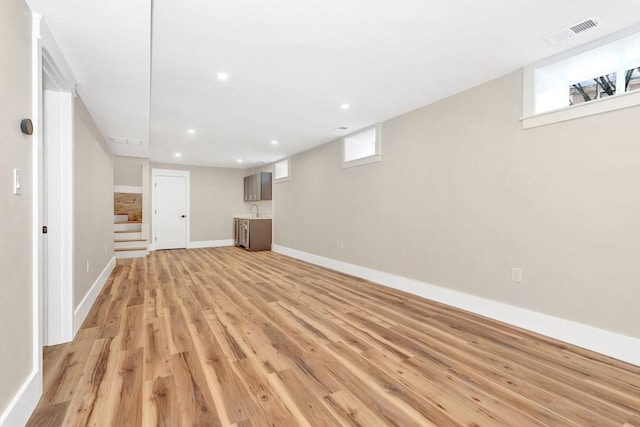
(127, 226)
(130, 244)
(127, 235)
(131, 253)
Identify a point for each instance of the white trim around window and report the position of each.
(278, 169)
(546, 80)
(367, 152)
(597, 106)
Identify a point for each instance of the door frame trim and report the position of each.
(52, 67)
(174, 173)
(58, 295)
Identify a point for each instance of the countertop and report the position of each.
(250, 216)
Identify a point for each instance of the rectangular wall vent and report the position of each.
(118, 140)
(126, 141)
(571, 31)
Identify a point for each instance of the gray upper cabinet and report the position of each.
(257, 187)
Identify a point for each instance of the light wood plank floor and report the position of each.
(218, 337)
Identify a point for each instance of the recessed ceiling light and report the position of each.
(191, 131)
(344, 106)
(223, 77)
(274, 142)
(178, 154)
(239, 160)
(340, 129)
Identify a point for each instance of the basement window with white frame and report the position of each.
(361, 147)
(281, 170)
(595, 78)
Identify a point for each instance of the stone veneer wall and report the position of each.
(128, 204)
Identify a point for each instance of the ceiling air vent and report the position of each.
(126, 141)
(572, 31)
(584, 25)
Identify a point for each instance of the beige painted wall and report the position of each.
(93, 202)
(128, 170)
(16, 328)
(216, 195)
(463, 194)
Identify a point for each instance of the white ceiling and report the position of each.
(291, 64)
(107, 46)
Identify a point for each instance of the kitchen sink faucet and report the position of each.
(257, 210)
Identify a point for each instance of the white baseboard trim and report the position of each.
(127, 189)
(85, 305)
(612, 344)
(210, 244)
(21, 407)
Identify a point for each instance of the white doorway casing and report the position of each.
(56, 96)
(170, 208)
(54, 89)
(54, 93)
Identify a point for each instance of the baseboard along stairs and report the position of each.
(127, 238)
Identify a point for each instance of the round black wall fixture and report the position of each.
(26, 126)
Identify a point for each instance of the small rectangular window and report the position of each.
(361, 147)
(564, 87)
(282, 170)
(595, 88)
(632, 79)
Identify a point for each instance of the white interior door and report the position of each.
(57, 201)
(171, 206)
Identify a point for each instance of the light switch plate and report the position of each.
(17, 184)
